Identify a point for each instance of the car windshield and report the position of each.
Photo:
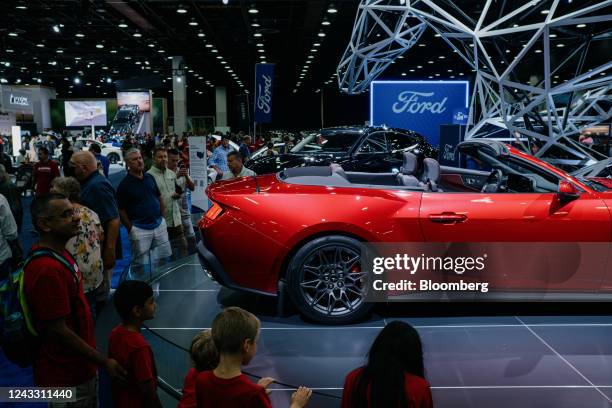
(329, 142)
(593, 184)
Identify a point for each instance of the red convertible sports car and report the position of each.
(300, 230)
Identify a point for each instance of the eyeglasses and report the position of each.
(65, 215)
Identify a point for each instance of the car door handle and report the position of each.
(447, 218)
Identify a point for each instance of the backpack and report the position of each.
(18, 337)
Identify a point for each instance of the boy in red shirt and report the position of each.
(204, 356)
(135, 304)
(235, 333)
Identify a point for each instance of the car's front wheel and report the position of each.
(113, 158)
(326, 282)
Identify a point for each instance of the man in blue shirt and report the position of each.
(141, 209)
(219, 156)
(104, 162)
(245, 152)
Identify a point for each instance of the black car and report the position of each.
(358, 148)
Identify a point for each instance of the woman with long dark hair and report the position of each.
(393, 375)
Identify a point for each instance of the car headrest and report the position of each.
(337, 169)
(431, 169)
(410, 163)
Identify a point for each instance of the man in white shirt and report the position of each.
(166, 182)
(236, 168)
(10, 251)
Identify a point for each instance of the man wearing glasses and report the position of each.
(53, 287)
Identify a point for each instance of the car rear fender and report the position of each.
(314, 232)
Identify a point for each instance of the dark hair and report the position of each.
(43, 150)
(203, 352)
(232, 327)
(95, 148)
(130, 294)
(40, 206)
(235, 154)
(270, 145)
(245, 138)
(158, 148)
(173, 151)
(396, 351)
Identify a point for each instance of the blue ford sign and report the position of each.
(264, 76)
(421, 106)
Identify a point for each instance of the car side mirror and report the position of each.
(567, 192)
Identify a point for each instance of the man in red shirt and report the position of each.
(67, 356)
(44, 171)
(135, 304)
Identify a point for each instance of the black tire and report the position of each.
(113, 158)
(313, 280)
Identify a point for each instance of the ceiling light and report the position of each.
(77, 80)
(214, 51)
(403, 74)
(257, 35)
(325, 22)
(538, 51)
(332, 9)
(544, 12)
(80, 35)
(56, 28)
(316, 44)
(161, 51)
(99, 46)
(253, 10)
(225, 2)
(109, 80)
(127, 57)
(261, 50)
(552, 36)
(560, 45)
(179, 79)
(3, 81)
(259, 44)
(581, 25)
(208, 45)
(136, 35)
(151, 45)
(12, 34)
(181, 10)
(321, 34)
(193, 23)
(422, 44)
(441, 57)
(21, 7)
(40, 45)
(60, 51)
(255, 24)
(123, 25)
(201, 35)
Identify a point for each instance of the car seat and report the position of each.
(337, 170)
(431, 174)
(406, 175)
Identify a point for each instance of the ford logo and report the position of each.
(411, 102)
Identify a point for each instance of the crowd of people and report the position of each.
(77, 217)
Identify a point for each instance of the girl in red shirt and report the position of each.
(393, 375)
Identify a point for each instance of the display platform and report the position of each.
(503, 361)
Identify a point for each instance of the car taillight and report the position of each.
(213, 212)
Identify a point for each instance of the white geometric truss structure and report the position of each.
(517, 51)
